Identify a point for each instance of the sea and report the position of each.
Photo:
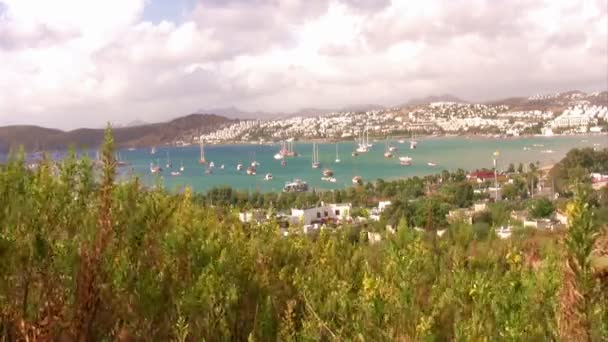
(447, 153)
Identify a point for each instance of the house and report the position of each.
(479, 207)
(481, 176)
(561, 217)
(252, 216)
(377, 211)
(460, 215)
(322, 214)
(504, 232)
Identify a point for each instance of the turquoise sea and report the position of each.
(448, 153)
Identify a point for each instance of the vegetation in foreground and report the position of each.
(96, 260)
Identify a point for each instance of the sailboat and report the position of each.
(181, 167)
(315, 156)
(367, 144)
(153, 150)
(168, 165)
(155, 168)
(363, 145)
(387, 152)
(239, 167)
(337, 155)
(413, 143)
(202, 159)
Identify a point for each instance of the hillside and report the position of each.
(35, 138)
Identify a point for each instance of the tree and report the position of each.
(541, 208)
(520, 168)
(511, 168)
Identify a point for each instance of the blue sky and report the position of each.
(156, 11)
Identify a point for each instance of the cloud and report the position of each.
(71, 63)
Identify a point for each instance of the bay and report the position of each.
(449, 153)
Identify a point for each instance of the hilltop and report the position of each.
(179, 130)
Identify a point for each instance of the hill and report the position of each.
(434, 98)
(35, 138)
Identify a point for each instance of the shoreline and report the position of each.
(393, 138)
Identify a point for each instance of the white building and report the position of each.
(324, 213)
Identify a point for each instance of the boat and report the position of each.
(392, 149)
(155, 168)
(406, 161)
(355, 153)
(278, 156)
(413, 142)
(153, 150)
(175, 173)
(268, 176)
(328, 173)
(131, 149)
(239, 167)
(202, 159)
(328, 179)
(208, 171)
(251, 170)
(168, 165)
(367, 144)
(357, 180)
(211, 165)
(387, 152)
(526, 148)
(295, 186)
(337, 155)
(431, 164)
(546, 151)
(315, 156)
(401, 141)
(222, 166)
(363, 145)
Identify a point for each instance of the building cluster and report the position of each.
(581, 115)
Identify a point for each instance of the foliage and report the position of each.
(88, 258)
(541, 208)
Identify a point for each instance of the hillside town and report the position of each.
(568, 113)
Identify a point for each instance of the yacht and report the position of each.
(168, 165)
(155, 168)
(387, 152)
(239, 167)
(251, 170)
(337, 155)
(431, 164)
(328, 173)
(328, 179)
(406, 161)
(295, 186)
(202, 159)
(268, 176)
(315, 156)
(413, 144)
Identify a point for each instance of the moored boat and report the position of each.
(296, 185)
(268, 176)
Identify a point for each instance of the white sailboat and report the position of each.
(202, 159)
(153, 150)
(168, 165)
(363, 146)
(315, 156)
(387, 152)
(337, 155)
(181, 167)
(413, 142)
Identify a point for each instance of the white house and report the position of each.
(323, 213)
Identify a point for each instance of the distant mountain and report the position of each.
(136, 123)
(554, 102)
(39, 138)
(236, 113)
(434, 98)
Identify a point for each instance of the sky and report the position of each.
(82, 63)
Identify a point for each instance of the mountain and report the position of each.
(434, 98)
(135, 123)
(183, 128)
(553, 102)
(236, 113)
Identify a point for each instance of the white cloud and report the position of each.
(69, 63)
